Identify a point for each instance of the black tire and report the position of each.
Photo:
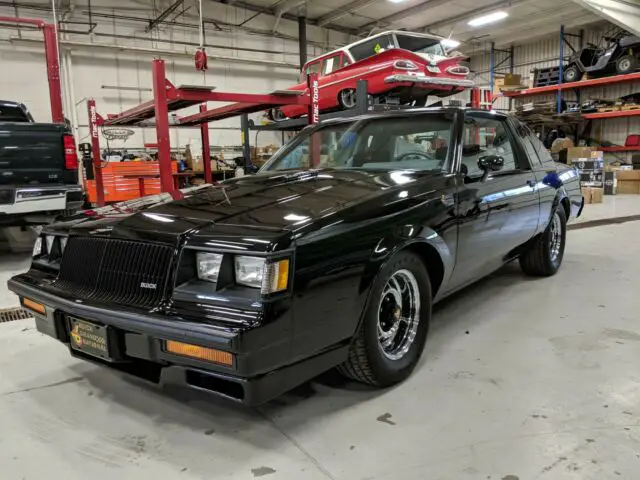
(347, 98)
(366, 362)
(626, 64)
(276, 115)
(539, 260)
(572, 74)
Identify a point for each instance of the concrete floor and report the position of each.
(521, 379)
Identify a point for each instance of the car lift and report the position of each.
(53, 65)
(168, 98)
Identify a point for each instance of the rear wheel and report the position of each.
(626, 64)
(347, 98)
(394, 327)
(276, 115)
(572, 73)
(544, 256)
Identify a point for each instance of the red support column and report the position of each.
(53, 72)
(95, 150)
(313, 117)
(206, 147)
(162, 125)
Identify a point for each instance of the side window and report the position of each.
(311, 68)
(543, 154)
(344, 61)
(330, 64)
(484, 136)
(372, 47)
(526, 135)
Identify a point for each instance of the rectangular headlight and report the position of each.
(249, 271)
(37, 247)
(209, 266)
(269, 277)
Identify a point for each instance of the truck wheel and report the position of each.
(394, 327)
(572, 74)
(626, 64)
(544, 257)
(347, 99)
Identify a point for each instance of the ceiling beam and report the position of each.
(343, 11)
(623, 13)
(473, 13)
(287, 16)
(163, 16)
(402, 14)
(283, 7)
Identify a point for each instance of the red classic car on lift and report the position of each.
(398, 65)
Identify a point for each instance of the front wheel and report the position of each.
(572, 74)
(394, 326)
(544, 256)
(347, 98)
(626, 64)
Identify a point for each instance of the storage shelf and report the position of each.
(596, 82)
(616, 114)
(620, 149)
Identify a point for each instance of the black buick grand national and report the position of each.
(331, 256)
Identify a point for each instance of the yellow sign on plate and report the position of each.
(88, 338)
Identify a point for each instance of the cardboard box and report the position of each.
(560, 144)
(575, 153)
(512, 79)
(628, 182)
(592, 195)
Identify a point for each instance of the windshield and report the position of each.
(420, 45)
(418, 142)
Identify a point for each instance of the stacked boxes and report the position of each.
(590, 166)
(628, 181)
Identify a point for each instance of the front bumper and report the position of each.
(140, 349)
(425, 80)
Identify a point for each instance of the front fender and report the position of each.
(425, 242)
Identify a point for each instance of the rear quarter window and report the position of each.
(11, 113)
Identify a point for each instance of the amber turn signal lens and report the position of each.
(201, 353)
(35, 306)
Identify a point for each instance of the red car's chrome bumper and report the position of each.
(423, 79)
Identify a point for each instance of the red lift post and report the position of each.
(169, 98)
(95, 120)
(206, 147)
(53, 64)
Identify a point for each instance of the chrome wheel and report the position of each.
(348, 98)
(398, 314)
(555, 243)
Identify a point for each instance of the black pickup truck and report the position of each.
(38, 168)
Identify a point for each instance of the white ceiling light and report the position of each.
(396, 1)
(485, 19)
(449, 43)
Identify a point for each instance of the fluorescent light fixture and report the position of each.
(486, 19)
(449, 43)
(396, 1)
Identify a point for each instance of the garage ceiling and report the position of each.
(527, 18)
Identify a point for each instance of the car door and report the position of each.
(497, 211)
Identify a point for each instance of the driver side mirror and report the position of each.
(490, 163)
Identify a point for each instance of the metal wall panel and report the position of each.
(545, 52)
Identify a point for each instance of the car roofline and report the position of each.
(402, 112)
(388, 32)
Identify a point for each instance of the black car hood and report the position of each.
(272, 202)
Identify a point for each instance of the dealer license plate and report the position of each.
(89, 338)
(433, 69)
